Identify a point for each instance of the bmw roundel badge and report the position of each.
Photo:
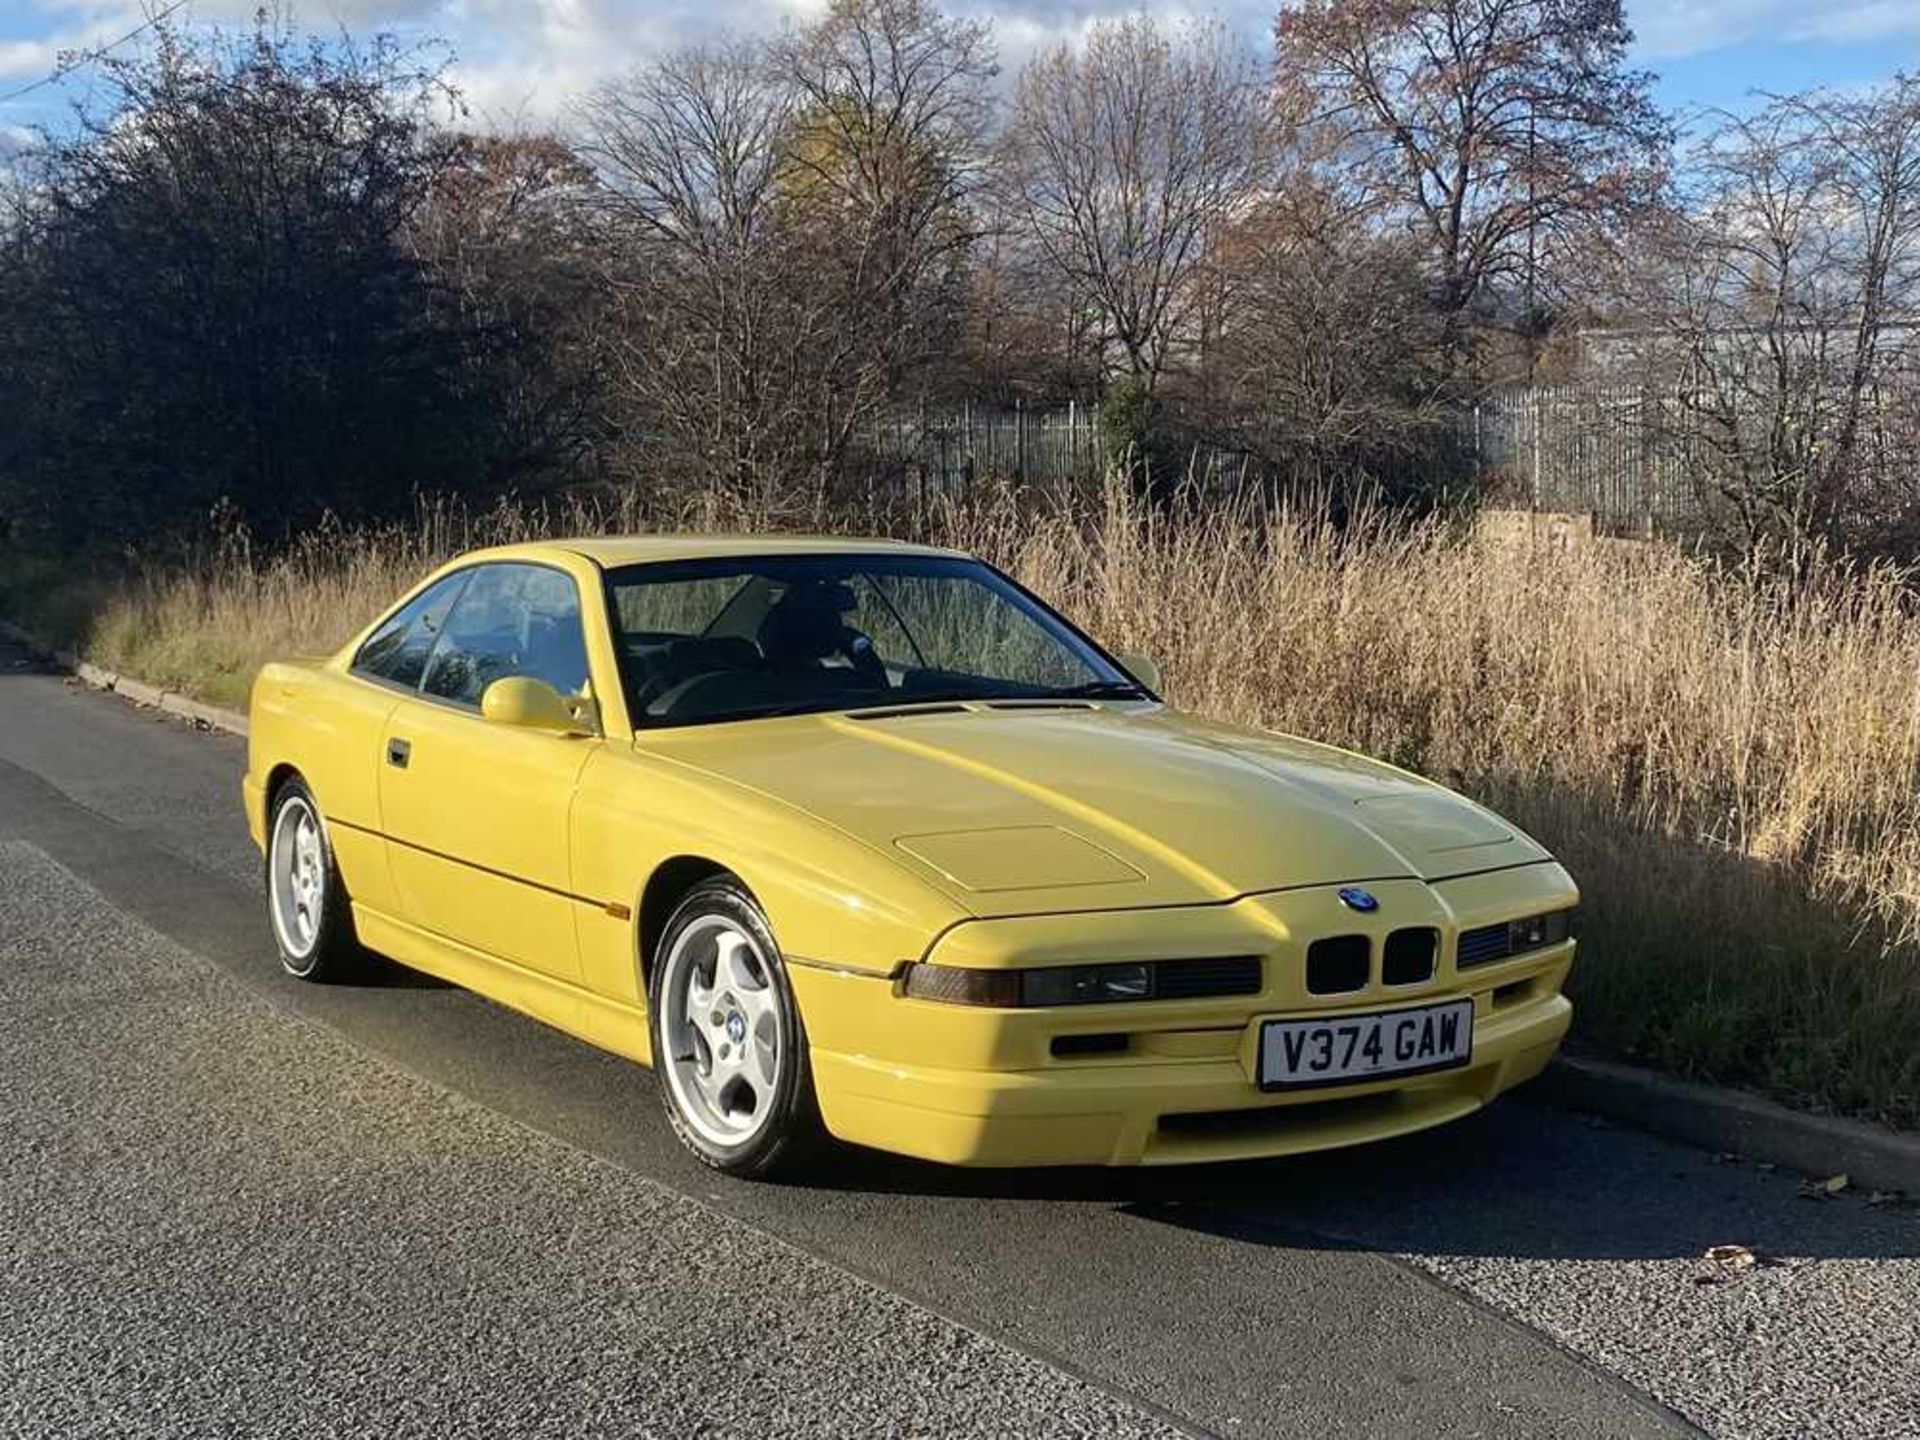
(1361, 900)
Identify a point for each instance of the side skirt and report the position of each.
(610, 1024)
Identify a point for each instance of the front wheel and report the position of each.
(306, 903)
(728, 1047)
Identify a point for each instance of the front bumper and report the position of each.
(973, 1086)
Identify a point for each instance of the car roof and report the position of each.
(612, 551)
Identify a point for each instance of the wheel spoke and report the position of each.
(700, 995)
(736, 962)
(724, 1095)
(765, 1043)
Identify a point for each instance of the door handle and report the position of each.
(399, 752)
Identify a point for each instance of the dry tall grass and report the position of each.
(1731, 768)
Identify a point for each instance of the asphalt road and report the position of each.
(234, 1204)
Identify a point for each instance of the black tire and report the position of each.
(312, 923)
(782, 1131)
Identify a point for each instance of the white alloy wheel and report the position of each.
(728, 1046)
(307, 902)
(297, 881)
(724, 1030)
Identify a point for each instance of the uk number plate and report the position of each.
(1349, 1049)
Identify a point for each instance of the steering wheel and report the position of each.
(857, 646)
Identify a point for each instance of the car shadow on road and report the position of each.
(1518, 1180)
(377, 972)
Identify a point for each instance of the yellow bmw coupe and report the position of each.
(864, 838)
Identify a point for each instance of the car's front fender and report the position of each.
(831, 899)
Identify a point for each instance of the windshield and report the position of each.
(746, 636)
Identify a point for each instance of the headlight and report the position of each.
(1051, 985)
(1488, 943)
(1538, 931)
(1085, 984)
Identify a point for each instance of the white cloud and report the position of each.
(1881, 20)
(1668, 29)
(27, 59)
(523, 60)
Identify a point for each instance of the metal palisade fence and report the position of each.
(1642, 460)
(1584, 449)
(1609, 450)
(949, 451)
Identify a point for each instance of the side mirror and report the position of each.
(529, 704)
(1141, 667)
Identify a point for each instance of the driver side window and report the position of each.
(399, 650)
(510, 620)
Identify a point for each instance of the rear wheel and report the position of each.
(729, 1052)
(306, 903)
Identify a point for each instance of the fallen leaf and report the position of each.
(1722, 1263)
(1731, 1257)
(1822, 1189)
(1884, 1197)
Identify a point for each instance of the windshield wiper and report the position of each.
(1100, 690)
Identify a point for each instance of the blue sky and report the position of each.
(520, 59)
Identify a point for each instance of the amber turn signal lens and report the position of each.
(1041, 986)
(958, 985)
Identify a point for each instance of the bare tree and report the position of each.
(1781, 319)
(688, 154)
(886, 152)
(1495, 130)
(790, 227)
(501, 229)
(1126, 157)
(1330, 366)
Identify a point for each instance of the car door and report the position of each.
(475, 813)
(341, 762)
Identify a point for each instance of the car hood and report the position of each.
(1015, 809)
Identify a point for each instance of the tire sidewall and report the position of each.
(792, 1117)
